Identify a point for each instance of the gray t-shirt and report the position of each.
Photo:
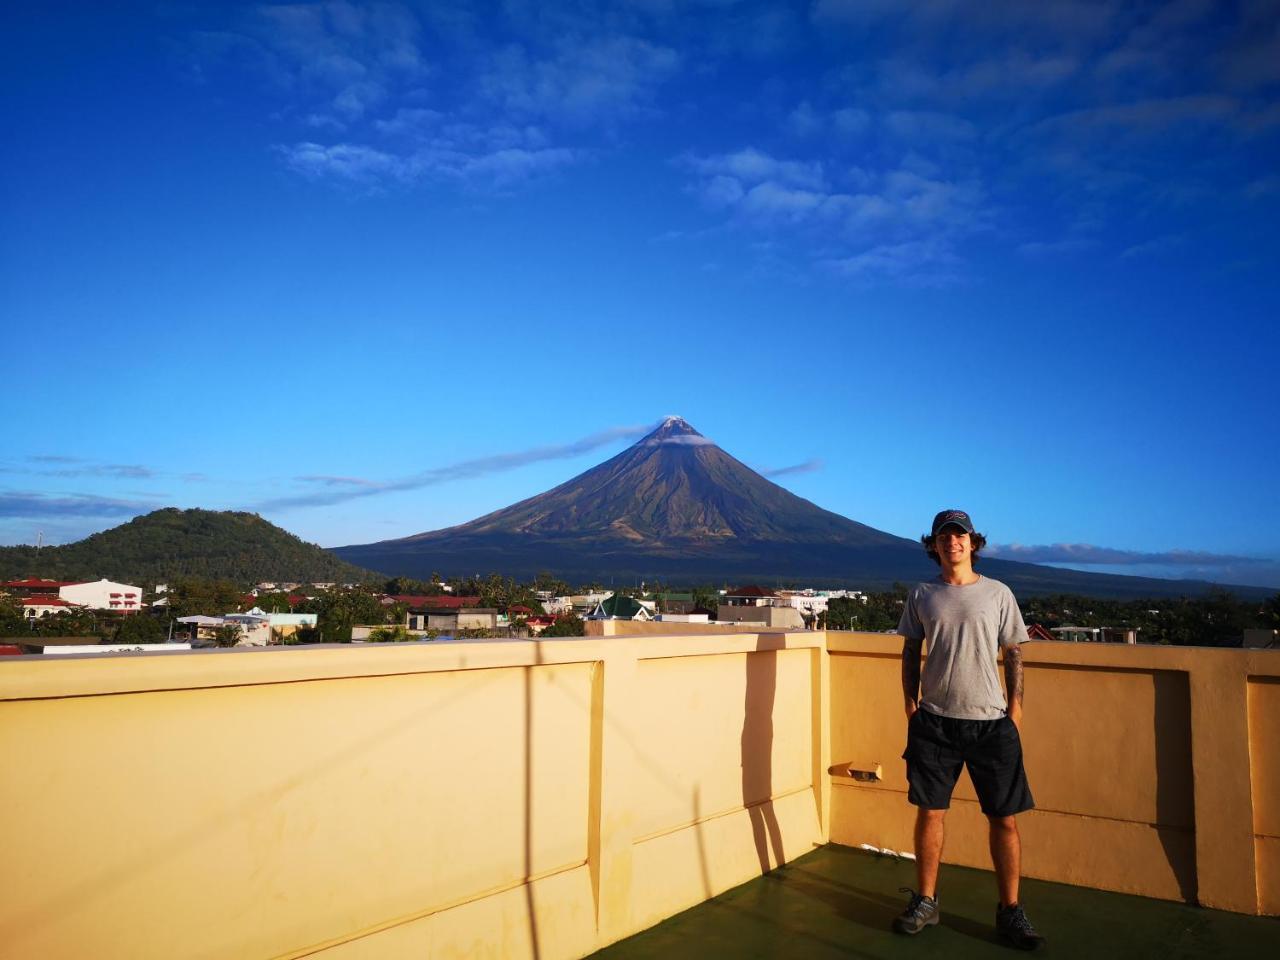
(963, 627)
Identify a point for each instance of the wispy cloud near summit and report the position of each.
(808, 466)
(338, 489)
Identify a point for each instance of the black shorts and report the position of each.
(937, 747)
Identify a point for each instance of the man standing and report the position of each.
(959, 717)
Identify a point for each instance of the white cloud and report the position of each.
(341, 489)
(343, 161)
(409, 122)
(772, 200)
(1044, 249)
(750, 165)
(505, 167)
(596, 80)
(1144, 117)
(722, 191)
(898, 222)
(808, 466)
(804, 121)
(16, 503)
(922, 261)
(1087, 553)
(355, 99)
(351, 55)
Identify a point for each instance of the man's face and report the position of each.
(954, 545)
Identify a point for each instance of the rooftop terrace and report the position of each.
(838, 902)
(546, 799)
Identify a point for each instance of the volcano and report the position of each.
(676, 507)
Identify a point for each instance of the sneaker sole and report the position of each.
(899, 927)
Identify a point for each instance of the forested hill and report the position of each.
(171, 543)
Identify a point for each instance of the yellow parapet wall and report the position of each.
(543, 799)
(535, 799)
(1155, 769)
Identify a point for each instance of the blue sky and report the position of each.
(374, 269)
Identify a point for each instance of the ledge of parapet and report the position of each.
(1123, 656)
(41, 677)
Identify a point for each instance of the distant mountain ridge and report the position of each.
(171, 543)
(677, 507)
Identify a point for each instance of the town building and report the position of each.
(1096, 634)
(1038, 631)
(103, 595)
(44, 605)
(692, 617)
(555, 605)
(255, 628)
(40, 596)
(33, 586)
(446, 613)
(617, 606)
(810, 603)
(758, 606)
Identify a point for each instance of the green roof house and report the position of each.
(619, 607)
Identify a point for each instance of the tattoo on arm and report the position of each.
(911, 670)
(1013, 674)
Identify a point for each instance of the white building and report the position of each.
(284, 624)
(810, 603)
(683, 618)
(555, 605)
(103, 595)
(255, 630)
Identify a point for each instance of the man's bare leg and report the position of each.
(929, 835)
(1006, 857)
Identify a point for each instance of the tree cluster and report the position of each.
(1217, 619)
(109, 626)
(877, 613)
(565, 625)
(167, 544)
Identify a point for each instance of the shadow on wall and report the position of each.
(757, 751)
(1175, 794)
(528, 801)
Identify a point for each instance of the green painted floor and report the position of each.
(840, 902)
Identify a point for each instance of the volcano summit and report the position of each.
(675, 506)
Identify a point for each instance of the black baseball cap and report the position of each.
(953, 518)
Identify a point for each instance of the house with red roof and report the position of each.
(34, 586)
(42, 605)
(99, 595)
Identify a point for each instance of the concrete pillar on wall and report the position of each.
(821, 705)
(611, 831)
(1225, 868)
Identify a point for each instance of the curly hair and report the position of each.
(977, 539)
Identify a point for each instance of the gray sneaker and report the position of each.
(1012, 924)
(921, 912)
